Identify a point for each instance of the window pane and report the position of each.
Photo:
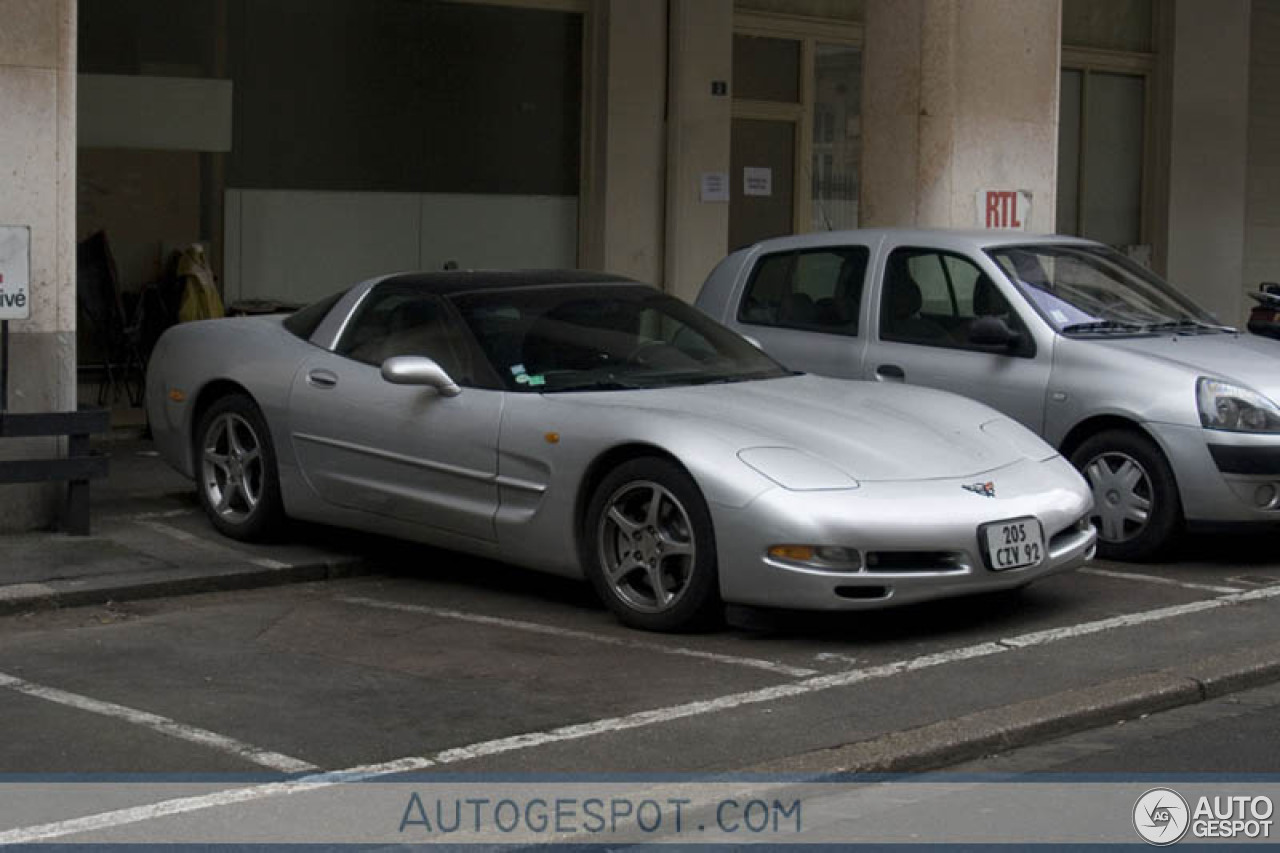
(837, 136)
(1112, 24)
(766, 69)
(934, 299)
(1069, 154)
(818, 290)
(1111, 206)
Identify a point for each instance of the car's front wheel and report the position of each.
(236, 475)
(1135, 496)
(649, 547)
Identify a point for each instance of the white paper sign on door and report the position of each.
(757, 180)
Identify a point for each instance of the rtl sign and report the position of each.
(1009, 209)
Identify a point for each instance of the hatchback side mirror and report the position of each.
(991, 332)
(417, 370)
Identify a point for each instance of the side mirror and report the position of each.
(755, 343)
(993, 333)
(416, 370)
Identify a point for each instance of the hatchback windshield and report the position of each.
(1093, 290)
(592, 338)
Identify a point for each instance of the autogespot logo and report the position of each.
(1161, 816)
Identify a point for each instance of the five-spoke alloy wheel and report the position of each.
(649, 547)
(236, 469)
(1135, 497)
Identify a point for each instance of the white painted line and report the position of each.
(656, 716)
(163, 725)
(1128, 620)
(569, 633)
(836, 657)
(1157, 579)
(200, 542)
(170, 513)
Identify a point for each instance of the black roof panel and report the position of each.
(463, 281)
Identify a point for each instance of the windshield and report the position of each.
(594, 337)
(1095, 290)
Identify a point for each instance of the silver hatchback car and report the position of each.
(1169, 415)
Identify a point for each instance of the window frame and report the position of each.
(1026, 347)
(793, 256)
(1087, 61)
(808, 32)
(482, 375)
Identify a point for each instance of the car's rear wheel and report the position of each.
(650, 549)
(236, 475)
(1135, 496)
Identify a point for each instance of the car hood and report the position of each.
(870, 431)
(1241, 358)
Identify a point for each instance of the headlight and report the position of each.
(1230, 407)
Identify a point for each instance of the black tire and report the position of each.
(673, 542)
(241, 495)
(1108, 460)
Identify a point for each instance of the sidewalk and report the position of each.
(150, 538)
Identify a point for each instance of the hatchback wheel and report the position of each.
(649, 547)
(236, 476)
(1135, 498)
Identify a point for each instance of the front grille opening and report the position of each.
(863, 592)
(914, 561)
(1069, 534)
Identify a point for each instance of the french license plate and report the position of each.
(1013, 544)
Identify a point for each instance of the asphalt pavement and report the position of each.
(189, 653)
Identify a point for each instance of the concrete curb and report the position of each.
(983, 733)
(225, 577)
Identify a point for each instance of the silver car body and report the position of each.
(1070, 388)
(794, 459)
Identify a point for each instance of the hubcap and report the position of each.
(1122, 495)
(232, 468)
(646, 546)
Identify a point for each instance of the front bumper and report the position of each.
(1223, 476)
(924, 535)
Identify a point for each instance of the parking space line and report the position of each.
(163, 725)
(206, 545)
(640, 719)
(1157, 579)
(569, 633)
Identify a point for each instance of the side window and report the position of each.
(933, 298)
(817, 290)
(396, 320)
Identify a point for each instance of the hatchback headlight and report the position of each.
(1230, 407)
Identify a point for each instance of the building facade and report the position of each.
(311, 143)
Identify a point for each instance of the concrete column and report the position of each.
(1208, 149)
(37, 189)
(698, 127)
(626, 142)
(959, 96)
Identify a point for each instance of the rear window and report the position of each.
(816, 290)
(305, 321)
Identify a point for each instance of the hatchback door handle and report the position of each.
(890, 373)
(322, 379)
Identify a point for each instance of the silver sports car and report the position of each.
(591, 426)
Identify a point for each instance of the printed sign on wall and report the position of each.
(15, 272)
(757, 180)
(1009, 209)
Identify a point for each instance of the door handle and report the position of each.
(890, 373)
(322, 379)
